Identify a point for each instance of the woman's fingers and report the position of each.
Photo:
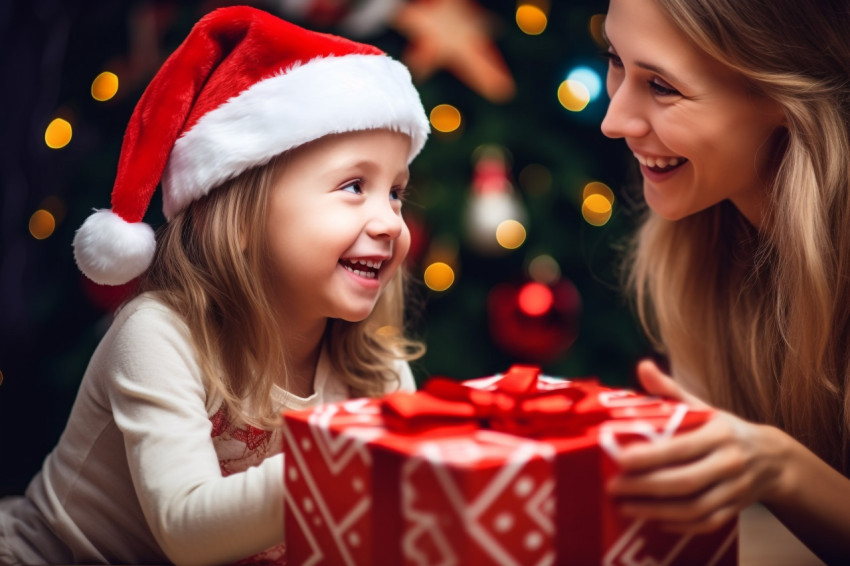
(703, 510)
(684, 480)
(656, 382)
(679, 449)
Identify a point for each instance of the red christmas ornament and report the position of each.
(533, 321)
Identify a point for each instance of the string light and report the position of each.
(510, 234)
(544, 269)
(595, 25)
(535, 179)
(573, 95)
(104, 86)
(597, 188)
(589, 78)
(439, 276)
(58, 133)
(596, 210)
(535, 299)
(445, 118)
(42, 224)
(531, 19)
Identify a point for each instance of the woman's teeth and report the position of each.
(362, 267)
(660, 163)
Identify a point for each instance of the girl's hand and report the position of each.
(697, 480)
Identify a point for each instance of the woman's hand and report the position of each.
(698, 480)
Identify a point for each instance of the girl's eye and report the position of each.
(613, 59)
(355, 187)
(662, 89)
(398, 193)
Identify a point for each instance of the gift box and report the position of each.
(506, 470)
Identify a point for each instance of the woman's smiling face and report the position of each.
(699, 130)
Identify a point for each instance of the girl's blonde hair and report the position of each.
(212, 267)
(759, 320)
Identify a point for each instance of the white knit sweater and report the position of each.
(148, 470)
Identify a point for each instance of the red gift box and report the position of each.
(505, 470)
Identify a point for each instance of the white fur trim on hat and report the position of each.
(111, 251)
(323, 96)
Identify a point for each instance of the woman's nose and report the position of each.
(624, 117)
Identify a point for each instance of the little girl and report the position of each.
(275, 284)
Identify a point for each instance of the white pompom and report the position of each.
(111, 251)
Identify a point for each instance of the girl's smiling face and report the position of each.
(335, 231)
(699, 130)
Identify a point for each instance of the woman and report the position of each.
(738, 112)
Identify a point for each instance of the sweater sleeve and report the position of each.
(158, 399)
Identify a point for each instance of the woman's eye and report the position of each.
(662, 89)
(354, 187)
(613, 59)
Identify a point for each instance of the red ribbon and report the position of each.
(516, 406)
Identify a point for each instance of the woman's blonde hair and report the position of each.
(211, 266)
(759, 320)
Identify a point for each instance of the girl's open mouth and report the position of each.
(363, 267)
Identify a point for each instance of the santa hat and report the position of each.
(242, 88)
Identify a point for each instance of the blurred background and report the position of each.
(518, 205)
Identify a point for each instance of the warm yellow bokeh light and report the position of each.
(596, 209)
(535, 179)
(58, 133)
(104, 86)
(597, 188)
(439, 276)
(544, 269)
(573, 95)
(531, 19)
(42, 224)
(596, 25)
(445, 118)
(510, 234)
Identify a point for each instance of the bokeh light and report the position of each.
(589, 78)
(597, 188)
(58, 133)
(439, 276)
(573, 95)
(104, 86)
(531, 19)
(510, 234)
(42, 224)
(596, 209)
(535, 179)
(596, 25)
(445, 118)
(544, 269)
(535, 299)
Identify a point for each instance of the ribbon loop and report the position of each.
(514, 404)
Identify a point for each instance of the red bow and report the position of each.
(516, 406)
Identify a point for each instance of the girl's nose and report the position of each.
(624, 117)
(385, 221)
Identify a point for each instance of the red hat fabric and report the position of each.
(242, 88)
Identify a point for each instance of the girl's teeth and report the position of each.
(371, 267)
